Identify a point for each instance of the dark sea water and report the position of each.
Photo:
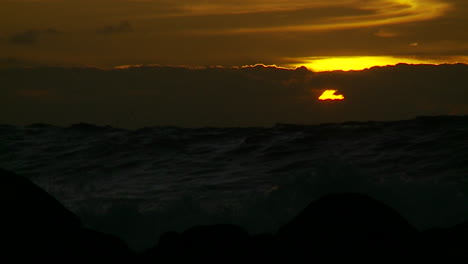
(139, 183)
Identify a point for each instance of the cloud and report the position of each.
(25, 38)
(398, 92)
(385, 33)
(332, 16)
(32, 36)
(12, 62)
(122, 27)
(236, 32)
(134, 97)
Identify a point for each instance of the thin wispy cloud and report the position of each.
(230, 32)
(377, 13)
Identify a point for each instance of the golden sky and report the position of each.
(323, 35)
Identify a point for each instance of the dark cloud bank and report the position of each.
(32, 36)
(250, 96)
(122, 27)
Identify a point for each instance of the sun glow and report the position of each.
(347, 63)
(329, 95)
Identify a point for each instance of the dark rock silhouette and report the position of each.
(343, 226)
(37, 226)
(264, 248)
(337, 227)
(221, 243)
(445, 243)
(346, 226)
(167, 250)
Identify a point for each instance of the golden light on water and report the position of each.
(329, 95)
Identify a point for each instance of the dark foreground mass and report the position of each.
(138, 184)
(336, 227)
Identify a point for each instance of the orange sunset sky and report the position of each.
(322, 35)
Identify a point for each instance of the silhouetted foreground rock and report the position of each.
(222, 243)
(37, 226)
(347, 226)
(337, 227)
(446, 244)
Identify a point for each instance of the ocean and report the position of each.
(139, 183)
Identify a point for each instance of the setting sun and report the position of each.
(330, 95)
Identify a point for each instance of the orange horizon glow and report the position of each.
(357, 63)
(329, 95)
(320, 35)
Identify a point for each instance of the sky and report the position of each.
(322, 35)
(193, 63)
